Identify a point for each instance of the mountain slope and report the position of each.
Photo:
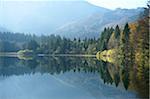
(91, 26)
(68, 18)
(43, 17)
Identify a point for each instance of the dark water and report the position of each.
(63, 78)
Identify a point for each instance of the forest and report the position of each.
(14, 42)
(128, 49)
(129, 40)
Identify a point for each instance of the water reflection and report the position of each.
(14, 66)
(60, 77)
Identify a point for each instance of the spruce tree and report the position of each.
(117, 32)
(126, 32)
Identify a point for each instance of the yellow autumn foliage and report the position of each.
(107, 55)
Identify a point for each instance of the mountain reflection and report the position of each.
(109, 73)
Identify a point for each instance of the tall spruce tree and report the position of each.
(117, 32)
(126, 33)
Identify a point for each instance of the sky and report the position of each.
(110, 4)
(113, 4)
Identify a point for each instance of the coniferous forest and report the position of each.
(132, 37)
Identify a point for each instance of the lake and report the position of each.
(64, 78)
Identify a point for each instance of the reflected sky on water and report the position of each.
(57, 78)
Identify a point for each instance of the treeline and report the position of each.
(13, 42)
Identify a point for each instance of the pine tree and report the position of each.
(117, 32)
(126, 33)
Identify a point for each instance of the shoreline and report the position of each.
(67, 55)
(15, 54)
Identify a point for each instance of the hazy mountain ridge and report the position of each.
(93, 25)
(69, 19)
(44, 17)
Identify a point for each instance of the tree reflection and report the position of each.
(124, 72)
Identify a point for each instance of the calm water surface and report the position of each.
(62, 78)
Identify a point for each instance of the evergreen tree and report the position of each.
(117, 32)
(126, 33)
(32, 45)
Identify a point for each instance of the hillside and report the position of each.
(44, 17)
(71, 19)
(94, 24)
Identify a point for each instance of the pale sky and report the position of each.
(110, 4)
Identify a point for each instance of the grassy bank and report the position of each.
(107, 55)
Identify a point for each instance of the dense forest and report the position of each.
(128, 48)
(13, 42)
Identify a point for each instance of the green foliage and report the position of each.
(117, 32)
(104, 38)
(46, 44)
(126, 33)
(6, 46)
(132, 45)
(32, 45)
